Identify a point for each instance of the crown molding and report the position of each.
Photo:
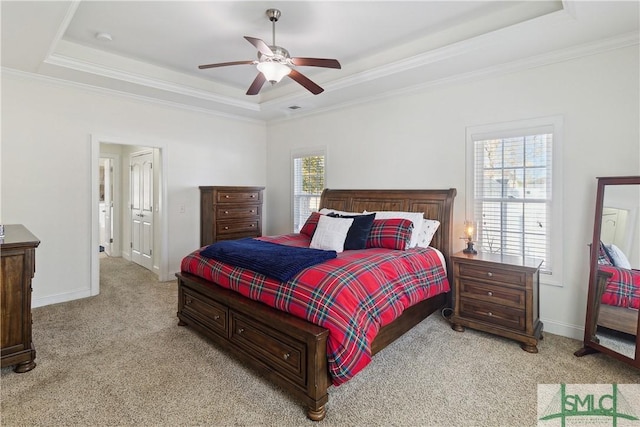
(557, 56)
(104, 71)
(71, 11)
(106, 91)
(597, 47)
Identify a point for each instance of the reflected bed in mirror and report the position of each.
(614, 282)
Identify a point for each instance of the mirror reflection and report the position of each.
(618, 271)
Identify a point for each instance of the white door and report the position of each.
(142, 209)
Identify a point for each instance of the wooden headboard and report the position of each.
(435, 204)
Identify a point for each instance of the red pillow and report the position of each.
(392, 233)
(604, 258)
(309, 227)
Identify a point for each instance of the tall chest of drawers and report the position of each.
(18, 248)
(228, 213)
(498, 294)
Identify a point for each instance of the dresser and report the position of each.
(228, 213)
(498, 294)
(18, 249)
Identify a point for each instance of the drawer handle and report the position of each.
(253, 225)
(286, 356)
(252, 211)
(241, 330)
(226, 228)
(226, 197)
(216, 317)
(188, 301)
(226, 212)
(490, 314)
(490, 293)
(490, 274)
(253, 196)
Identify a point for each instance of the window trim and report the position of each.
(553, 124)
(296, 154)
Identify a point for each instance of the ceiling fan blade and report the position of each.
(316, 62)
(260, 45)
(224, 64)
(304, 81)
(256, 85)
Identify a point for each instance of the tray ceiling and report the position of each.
(385, 48)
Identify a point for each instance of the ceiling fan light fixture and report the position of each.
(274, 62)
(273, 71)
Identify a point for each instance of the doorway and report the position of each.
(152, 250)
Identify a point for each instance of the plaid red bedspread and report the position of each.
(353, 295)
(623, 288)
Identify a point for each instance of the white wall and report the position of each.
(413, 141)
(418, 141)
(46, 171)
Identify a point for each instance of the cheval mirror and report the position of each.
(612, 321)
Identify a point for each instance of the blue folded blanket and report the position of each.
(280, 262)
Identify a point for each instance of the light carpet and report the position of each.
(120, 359)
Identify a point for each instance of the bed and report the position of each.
(289, 350)
(619, 296)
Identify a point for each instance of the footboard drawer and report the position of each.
(205, 310)
(280, 352)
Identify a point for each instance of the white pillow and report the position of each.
(415, 217)
(331, 233)
(429, 228)
(618, 257)
(325, 211)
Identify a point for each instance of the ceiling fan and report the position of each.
(274, 62)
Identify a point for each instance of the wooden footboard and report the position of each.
(619, 319)
(289, 351)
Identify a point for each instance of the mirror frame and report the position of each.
(591, 346)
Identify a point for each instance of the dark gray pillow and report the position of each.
(359, 230)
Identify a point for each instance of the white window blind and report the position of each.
(513, 194)
(308, 183)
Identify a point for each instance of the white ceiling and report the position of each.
(385, 47)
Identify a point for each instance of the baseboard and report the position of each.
(563, 329)
(553, 327)
(55, 299)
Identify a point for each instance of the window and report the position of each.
(513, 190)
(308, 183)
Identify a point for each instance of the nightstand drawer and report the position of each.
(493, 294)
(494, 314)
(494, 274)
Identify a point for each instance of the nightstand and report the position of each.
(498, 294)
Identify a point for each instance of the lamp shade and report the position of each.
(273, 71)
